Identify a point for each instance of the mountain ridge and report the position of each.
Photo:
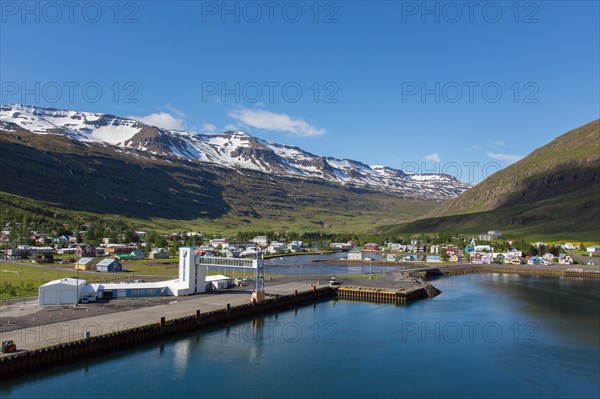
(234, 150)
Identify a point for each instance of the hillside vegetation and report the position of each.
(553, 192)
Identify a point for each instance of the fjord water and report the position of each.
(486, 335)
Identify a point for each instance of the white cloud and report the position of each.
(208, 128)
(435, 157)
(267, 120)
(161, 119)
(510, 158)
(498, 144)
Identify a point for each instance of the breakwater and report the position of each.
(370, 294)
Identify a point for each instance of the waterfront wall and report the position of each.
(384, 295)
(54, 355)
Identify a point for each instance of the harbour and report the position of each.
(486, 335)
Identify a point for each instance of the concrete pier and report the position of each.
(47, 345)
(53, 341)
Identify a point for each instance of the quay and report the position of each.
(57, 339)
(386, 295)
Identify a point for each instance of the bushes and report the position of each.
(8, 290)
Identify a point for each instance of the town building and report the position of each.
(371, 247)
(260, 240)
(491, 235)
(158, 253)
(61, 292)
(109, 265)
(84, 264)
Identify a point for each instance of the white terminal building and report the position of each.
(192, 279)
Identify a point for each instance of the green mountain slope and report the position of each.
(553, 192)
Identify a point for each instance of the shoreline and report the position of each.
(464, 268)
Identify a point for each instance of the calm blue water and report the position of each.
(488, 335)
(303, 264)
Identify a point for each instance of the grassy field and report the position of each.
(18, 281)
(23, 280)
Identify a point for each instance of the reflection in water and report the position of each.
(181, 354)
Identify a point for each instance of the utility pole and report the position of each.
(77, 287)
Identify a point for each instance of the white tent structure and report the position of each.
(61, 292)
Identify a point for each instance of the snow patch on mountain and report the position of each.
(236, 150)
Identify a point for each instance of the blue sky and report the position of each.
(457, 87)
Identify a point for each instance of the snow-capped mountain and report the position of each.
(230, 149)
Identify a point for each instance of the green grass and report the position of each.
(21, 281)
(18, 281)
(360, 219)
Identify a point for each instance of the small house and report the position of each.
(260, 240)
(534, 260)
(109, 265)
(565, 259)
(548, 257)
(66, 251)
(231, 252)
(490, 236)
(480, 258)
(84, 264)
(594, 249)
(371, 247)
(395, 246)
(434, 258)
(115, 250)
(86, 251)
(133, 255)
(295, 246)
(276, 247)
(158, 253)
(355, 255)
